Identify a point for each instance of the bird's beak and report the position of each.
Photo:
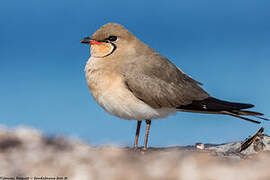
(88, 40)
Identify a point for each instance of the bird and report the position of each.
(132, 81)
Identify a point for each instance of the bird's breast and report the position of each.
(110, 92)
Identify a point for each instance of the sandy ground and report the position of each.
(26, 154)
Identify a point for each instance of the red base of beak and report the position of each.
(94, 42)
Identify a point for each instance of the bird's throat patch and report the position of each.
(102, 50)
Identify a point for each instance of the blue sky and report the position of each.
(224, 44)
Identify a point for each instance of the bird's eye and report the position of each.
(112, 38)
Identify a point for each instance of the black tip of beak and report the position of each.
(86, 40)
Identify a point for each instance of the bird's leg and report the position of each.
(148, 124)
(137, 134)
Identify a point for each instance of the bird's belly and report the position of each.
(125, 105)
(111, 93)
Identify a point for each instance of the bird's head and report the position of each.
(111, 38)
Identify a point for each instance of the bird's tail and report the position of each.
(215, 106)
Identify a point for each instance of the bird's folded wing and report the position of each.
(158, 83)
